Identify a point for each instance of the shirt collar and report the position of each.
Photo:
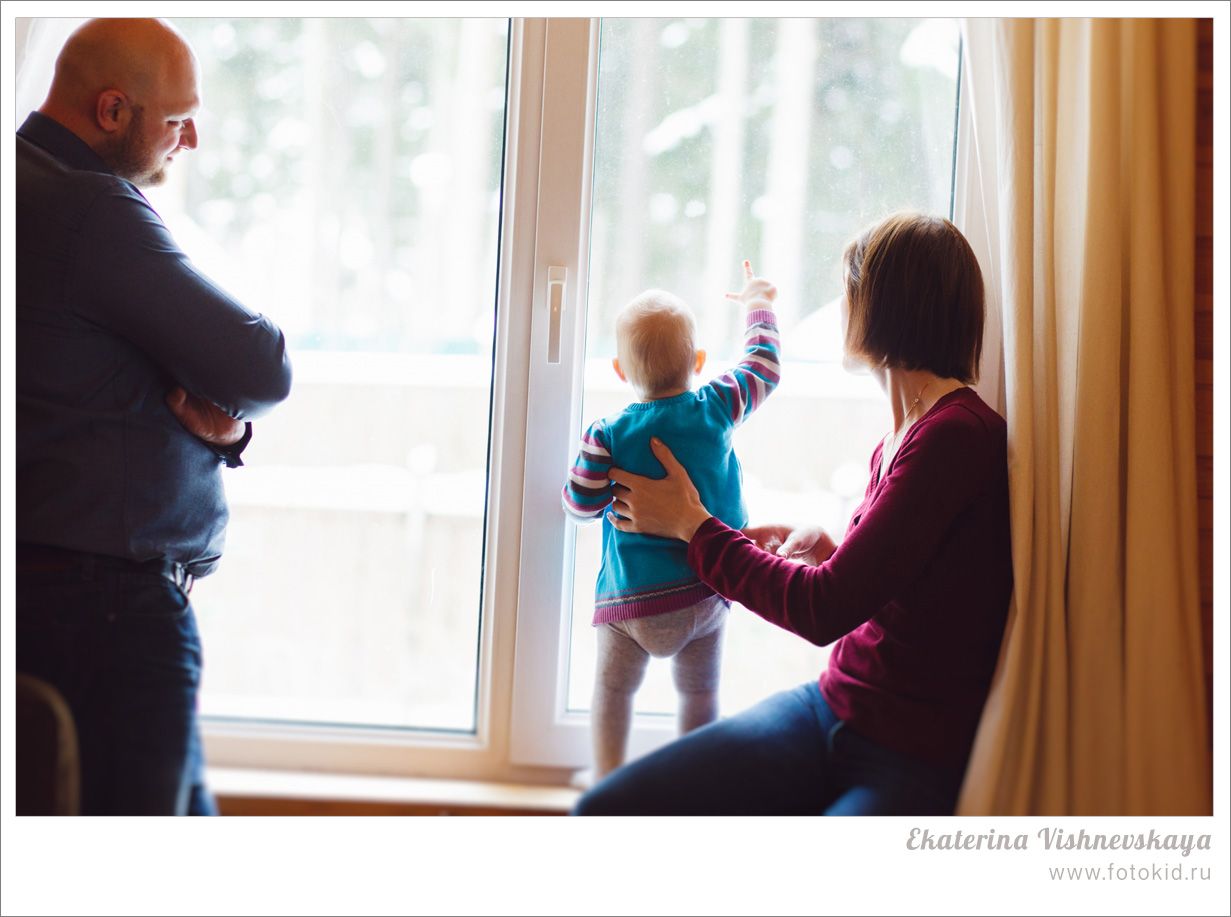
(61, 143)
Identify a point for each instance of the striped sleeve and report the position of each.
(744, 386)
(587, 492)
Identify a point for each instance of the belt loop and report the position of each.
(178, 574)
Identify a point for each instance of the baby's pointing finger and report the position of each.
(748, 270)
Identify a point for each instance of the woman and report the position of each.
(915, 595)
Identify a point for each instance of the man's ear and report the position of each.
(615, 364)
(700, 361)
(112, 110)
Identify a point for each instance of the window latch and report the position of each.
(556, 277)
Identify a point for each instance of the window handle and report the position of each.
(556, 277)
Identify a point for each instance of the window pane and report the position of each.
(776, 141)
(348, 184)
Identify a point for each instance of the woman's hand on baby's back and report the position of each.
(669, 506)
(758, 293)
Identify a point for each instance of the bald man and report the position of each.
(136, 379)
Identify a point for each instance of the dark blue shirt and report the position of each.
(111, 316)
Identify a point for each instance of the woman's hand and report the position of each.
(810, 545)
(668, 506)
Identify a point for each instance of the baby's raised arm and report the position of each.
(744, 387)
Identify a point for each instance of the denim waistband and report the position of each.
(41, 558)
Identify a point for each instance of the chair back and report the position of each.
(48, 769)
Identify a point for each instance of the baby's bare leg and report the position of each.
(620, 670)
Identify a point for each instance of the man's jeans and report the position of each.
(788, 755)
(123, 649)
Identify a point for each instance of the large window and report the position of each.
(348, 184)
(715, 141)
(401, 591)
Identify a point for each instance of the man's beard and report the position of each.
(129, 159)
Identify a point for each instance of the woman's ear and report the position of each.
(615, 364)
(700, 361)
(110, 110)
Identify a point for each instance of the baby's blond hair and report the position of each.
(655, 336)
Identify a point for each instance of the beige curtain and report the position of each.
(1083, 160)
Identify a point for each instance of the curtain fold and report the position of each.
(1080, 162)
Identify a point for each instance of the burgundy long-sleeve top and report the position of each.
(916, 594)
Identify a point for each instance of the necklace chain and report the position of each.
(914, 404)
(893, 437)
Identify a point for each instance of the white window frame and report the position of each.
(544, 206)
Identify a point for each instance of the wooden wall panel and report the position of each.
(280, 806)
(1204, 343)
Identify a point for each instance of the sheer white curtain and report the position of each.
(38, 42)
(976, 205)
(1076, 187)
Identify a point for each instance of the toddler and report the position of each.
(648, 602)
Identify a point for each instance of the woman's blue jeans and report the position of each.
(788, 755)
(123, 650)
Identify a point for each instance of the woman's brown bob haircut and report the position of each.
(916, 297)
